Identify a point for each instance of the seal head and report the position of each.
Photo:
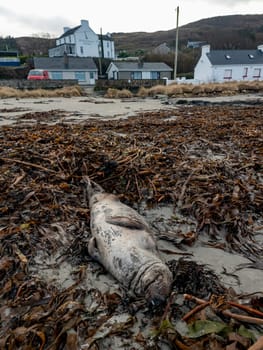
(154, 282)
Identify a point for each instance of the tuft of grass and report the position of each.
(68, 91)
(227, 88)
(116, 93)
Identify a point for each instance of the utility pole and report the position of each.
(101, 53)
(176, 43)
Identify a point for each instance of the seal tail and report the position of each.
(92, 187)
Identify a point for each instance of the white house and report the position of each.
(229, 65)
(82, 41)
(82, 69)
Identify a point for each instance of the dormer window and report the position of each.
(228, 57)
(251, 56)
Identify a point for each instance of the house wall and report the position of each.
(113, 73)
(87, 42)
(145, 75)
(164, 75)
(237, 73)
(206, 73)
(203, 70)
(108, 49)
(89, 77)
(60, 50)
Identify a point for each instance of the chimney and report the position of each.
(205, 49)
(84, 23)
(140, 62)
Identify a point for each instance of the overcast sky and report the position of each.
(23, 18)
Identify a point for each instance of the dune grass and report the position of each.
(180, 90)
(173, 90)
(69, 91)
(116, 93)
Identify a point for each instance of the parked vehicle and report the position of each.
(38, 74)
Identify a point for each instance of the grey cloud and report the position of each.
(232, 3)
(35, 23)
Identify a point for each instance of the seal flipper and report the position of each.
(132, 223)
(93, 249)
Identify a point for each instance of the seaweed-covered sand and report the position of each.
(195, 172)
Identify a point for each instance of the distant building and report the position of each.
(82, 69)
(82, 41)
(9, 59)
(195, 44)
(229, 65)
(162, 49)
(138, 70)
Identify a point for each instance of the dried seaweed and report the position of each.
(205, 161)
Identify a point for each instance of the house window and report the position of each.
(57, 75)
(80, 76)
(256, 72)
(136, 75)
(155, 75)
(81, 50)
(228, 74)
(91, 75)
(245, 72)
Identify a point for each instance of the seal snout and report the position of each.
(160, 288)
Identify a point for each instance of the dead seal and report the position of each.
(124, 244)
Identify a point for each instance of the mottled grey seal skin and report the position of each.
(123, 243)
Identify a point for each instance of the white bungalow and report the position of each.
(229, 65)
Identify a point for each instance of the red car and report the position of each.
(38, 74)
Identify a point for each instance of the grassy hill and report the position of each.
(237, 32)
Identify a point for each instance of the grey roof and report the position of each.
(77, 63)
(69, 32)
(145, 66)
(228, 57)
(72, 31)
(105, 37)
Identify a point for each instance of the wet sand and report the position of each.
(78, 109)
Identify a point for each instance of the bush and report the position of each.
(115, 93)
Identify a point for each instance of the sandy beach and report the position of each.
(78, 109)
(47, 143)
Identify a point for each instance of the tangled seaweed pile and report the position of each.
(206, 162)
